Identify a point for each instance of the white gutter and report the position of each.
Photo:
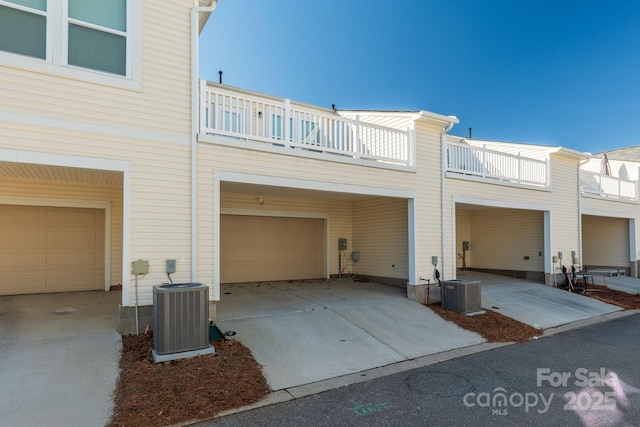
(579, 214)
(195, 32)
(443, 174)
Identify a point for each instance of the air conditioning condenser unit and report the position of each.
(180, 321)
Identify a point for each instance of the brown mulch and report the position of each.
(619, 298)
(495, 327)
(162, 394)
(492, 326)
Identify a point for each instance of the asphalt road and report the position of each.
(586, 377)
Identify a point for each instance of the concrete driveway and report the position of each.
(534, 303)
(58, 358)
(307, 331)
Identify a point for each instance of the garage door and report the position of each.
(254, 248)
(46, 249)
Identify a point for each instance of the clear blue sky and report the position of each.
(560, 72)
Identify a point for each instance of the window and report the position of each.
(89, 35)
(23, 28)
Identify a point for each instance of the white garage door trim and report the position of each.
(70, 203)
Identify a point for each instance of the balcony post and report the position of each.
(356, 148)
(518, 167)
(286, 111)
(484, 161)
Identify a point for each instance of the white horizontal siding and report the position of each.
(380, 231)
(162, 105)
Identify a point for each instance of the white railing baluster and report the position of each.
(490, 164)
(233, 113)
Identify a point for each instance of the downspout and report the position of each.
(195, 11)
(579, 214)
(443, 174)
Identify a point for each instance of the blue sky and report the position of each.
(560, 72)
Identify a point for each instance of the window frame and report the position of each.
(57, 47)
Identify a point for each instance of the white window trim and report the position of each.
(57, 48)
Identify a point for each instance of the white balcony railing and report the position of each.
(608, 186)
(282, 123)
(485, 163)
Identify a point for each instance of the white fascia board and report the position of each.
(222, 176)
(501, 204)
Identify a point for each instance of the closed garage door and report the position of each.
(254, 248)
(47, 249)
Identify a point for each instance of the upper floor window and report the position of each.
(93, 35)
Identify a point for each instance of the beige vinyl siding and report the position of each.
(605, 241)
(501, 238)
(380, 230)
(565, 220)
(428, 204)
(162, 105)
(33, 188)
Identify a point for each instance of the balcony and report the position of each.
(480, 162)
(608, 186)
(299, 129)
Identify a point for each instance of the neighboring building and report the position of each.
(108, 159)
(95, 143)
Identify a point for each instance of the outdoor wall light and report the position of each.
(261, 201)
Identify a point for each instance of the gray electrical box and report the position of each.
(465, 246)
(355, 256)
(171, 266)
(342, 244)
(140, 267)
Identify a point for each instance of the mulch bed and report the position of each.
(170, 393)
(492, 326)
(619, 298)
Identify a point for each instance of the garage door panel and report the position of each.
(237, 224)
(272, 225)
(237, 240)
(71, 239)
(19, 238)
(237, 257)
(21, 283)
(76, 260)
(57, 249)
(18, 261)
(238, 274)
(10, 214)
(77, 217)
(72, 281)
(276, 248)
